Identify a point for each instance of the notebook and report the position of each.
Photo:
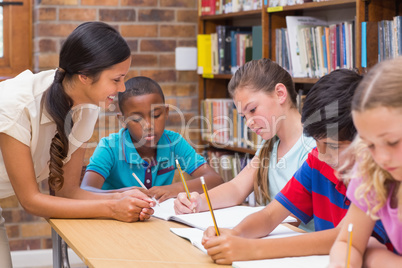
(194, 235)
(225, 217)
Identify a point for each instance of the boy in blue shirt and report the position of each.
(145, 148)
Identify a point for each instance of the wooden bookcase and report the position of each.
(359, 10)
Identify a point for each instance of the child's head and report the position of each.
(263, 92)
(326, 114)
(377, 114)
(144, 111)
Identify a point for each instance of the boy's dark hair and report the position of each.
(327, 109)
(137, 86)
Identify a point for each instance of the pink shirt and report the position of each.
(388, 215)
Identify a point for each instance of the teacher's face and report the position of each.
(111, 81)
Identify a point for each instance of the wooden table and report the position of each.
(110, 243)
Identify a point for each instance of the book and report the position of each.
(225, 217)
(204, 65)
(225, 46)
(194, 235)
(314, 261)
(294, 25)
(257, 42)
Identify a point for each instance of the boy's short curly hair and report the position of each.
(137, 86)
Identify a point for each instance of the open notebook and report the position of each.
(225, 217)
(194, 235)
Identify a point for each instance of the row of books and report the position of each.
(225, 163)
(228, 48)
(223, 126)
(277, 3)
(390, 38)
(309, 47)
(212, 7)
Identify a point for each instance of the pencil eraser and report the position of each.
(202, 180)
(350, 227)
(177, 162)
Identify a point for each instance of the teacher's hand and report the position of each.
(131, 209)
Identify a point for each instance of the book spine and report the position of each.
(364, 44)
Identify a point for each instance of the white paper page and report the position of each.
(225, 217)
(315, 261)
(194, 235)
(165, 209)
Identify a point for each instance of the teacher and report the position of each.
(45, 120)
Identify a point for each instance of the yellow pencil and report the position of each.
(182, 179)
(204, 187)
(349, 248)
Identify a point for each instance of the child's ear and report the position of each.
(281, 93)
(120, 117)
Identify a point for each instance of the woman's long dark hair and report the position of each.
(90, 49)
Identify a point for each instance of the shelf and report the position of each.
(305, 80)
(218, 76)
(241, 14)
(314, 5)
(231, 148)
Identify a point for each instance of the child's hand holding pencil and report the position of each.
(183, 205)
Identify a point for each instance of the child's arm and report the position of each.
(230, 193)
(212, 179)
(362, 228)
(376, 253)
(238, 245)
(168, 191)
(93, 182)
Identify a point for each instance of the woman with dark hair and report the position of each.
(45, 120)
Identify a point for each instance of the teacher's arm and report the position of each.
(20, 169)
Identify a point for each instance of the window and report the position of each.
(15, 37)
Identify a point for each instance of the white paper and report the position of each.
(225, 217)
(194, 235)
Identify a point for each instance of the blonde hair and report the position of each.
(263, 75)
(381, 87)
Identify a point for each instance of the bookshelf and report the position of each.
(270, 19)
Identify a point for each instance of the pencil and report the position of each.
(143, 186)
(182, 179)
(204, 187)
(349, 248)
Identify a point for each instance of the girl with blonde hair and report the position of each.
(375, 188)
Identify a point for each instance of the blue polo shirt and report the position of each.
(116, 158)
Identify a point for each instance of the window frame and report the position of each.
(17, 38)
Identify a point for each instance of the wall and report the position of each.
(153, 29)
